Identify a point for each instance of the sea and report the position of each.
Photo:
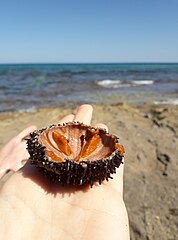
(26, 87)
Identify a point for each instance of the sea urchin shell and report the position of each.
(74, 153)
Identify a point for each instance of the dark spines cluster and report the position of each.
(70, 172)
(35, 149)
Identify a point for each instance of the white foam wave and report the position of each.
(109, 83)
(143, 82)
(122, 83)
(173, 101)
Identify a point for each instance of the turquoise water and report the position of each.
(28, 86)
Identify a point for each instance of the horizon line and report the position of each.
(41, 63)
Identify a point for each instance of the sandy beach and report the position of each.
(150, 137)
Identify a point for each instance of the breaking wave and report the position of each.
(121, 83)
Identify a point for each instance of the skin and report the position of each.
(14, 154)
(31, 207)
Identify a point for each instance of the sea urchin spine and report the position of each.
(74, 153)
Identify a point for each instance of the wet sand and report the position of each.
(150, 137)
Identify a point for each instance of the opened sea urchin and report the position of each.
(74, 153)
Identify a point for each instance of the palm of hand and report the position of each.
(49, 211)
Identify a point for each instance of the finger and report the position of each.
(101, 125)
(21, 162)
(19, 165)
(26, 132)
(67, 118)
(2, 172)
(84, 114)
(26, 155)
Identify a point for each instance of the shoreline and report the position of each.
(173, 103)
(94, 96)
(22, 119)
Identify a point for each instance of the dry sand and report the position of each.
(150, 137)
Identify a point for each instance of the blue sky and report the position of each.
(88, 31)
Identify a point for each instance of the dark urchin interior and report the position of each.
(70, 172)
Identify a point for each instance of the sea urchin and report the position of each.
(74, 153)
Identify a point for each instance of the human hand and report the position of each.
(39, 209)
(14, 154)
